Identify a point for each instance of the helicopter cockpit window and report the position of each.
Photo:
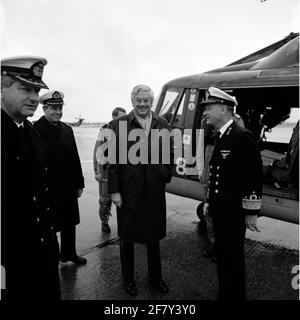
(178, 118)
(172, 107)
(280, 154)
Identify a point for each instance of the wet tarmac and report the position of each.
(270, 255)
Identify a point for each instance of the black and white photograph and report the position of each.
(149, 153)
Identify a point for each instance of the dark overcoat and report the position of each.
(64, 171)
(142, 217)
(29, 248)
(235, 190)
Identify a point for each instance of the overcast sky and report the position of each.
(97, 50)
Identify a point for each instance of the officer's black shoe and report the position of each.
(130, 287)
(105, 227)
(77, 260)
(160, 286)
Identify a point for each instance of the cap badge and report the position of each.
(37, 69)
(56, 95)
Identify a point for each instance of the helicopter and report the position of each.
(266, 86)
(77, 123)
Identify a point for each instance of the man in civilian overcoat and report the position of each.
(234, 191)
(138, 189)
(29, 247)
(65, 177)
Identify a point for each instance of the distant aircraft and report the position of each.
(77, 123)
(266, 85)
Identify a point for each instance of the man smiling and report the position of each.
(138, 191)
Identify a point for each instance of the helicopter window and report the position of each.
(284, 128)
(172, 107)
(177, 119)
(170, 102)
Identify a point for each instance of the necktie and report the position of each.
(217, 138)
(21, 132)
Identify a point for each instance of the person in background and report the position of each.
(234, 191)
(29, 247)
(64, 173)
(101, 176)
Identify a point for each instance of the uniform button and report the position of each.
(34, 199)
(37, 219)
(216, 191)
(210, 174)
(18, 158)
(46, 189)
(217, 175)
(48, 209)
(46, 168)
(210, 167)
(42, 240)
(217, 183)
(218, 168)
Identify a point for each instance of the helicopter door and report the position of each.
(173, 110)
(179, 107)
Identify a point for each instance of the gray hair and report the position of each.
(6, 81)
(141, 87)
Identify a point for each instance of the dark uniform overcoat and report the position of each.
(64, 171)
(142, 217)
(235, 190)
(29, 248)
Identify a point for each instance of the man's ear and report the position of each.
(224, 108)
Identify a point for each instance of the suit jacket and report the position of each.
(64, 171)
(235, 181)
(142, 217)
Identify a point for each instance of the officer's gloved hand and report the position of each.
(251, 222)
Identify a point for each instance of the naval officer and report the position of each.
(65, 176)
(234, 193)
(29, 248)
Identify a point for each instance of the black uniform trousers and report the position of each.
(153, 257)
(68, 242)
(229, 245)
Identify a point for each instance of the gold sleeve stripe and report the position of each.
(251, 204)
